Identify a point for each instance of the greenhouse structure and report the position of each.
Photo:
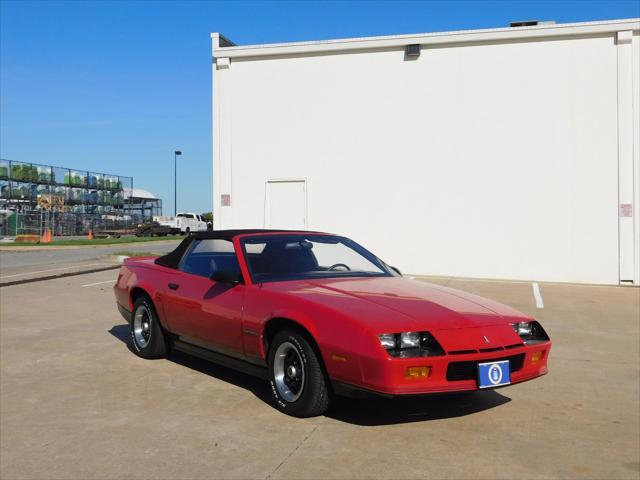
(80, 200)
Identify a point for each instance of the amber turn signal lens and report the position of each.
(536, 356)
(418, 372)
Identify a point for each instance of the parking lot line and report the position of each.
(537, 296)
(51, 270)
(98, 283)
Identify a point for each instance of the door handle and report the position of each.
(173, 286)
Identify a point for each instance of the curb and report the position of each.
(59, 275)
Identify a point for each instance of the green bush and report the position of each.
(16, 171)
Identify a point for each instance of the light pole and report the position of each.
(175, 181)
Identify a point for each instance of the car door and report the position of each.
(188, 221)
(202, 311)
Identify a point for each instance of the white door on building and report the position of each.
(286, 204)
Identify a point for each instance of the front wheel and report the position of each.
(296, 375)
(146, 331)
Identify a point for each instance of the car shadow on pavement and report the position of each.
(372, 411)
(122, 333)
(255, 385)
(392, 411)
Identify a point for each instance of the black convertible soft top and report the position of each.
(172, 259)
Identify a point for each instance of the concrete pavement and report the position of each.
(44, 262)
(76, 403)
(12, 257)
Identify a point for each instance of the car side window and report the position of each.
(206, 256)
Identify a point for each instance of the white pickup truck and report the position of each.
(184, 223)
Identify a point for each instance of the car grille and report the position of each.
(485, 350)
(469, 370)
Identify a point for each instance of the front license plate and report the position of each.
(494, 374)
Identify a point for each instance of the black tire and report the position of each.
(309, 394)
(155, 345)
(187, 231)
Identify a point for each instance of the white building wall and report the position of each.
(497, 159)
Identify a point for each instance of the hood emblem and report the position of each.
(486, 339)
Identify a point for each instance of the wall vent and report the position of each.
(412, 51)
(531, 23)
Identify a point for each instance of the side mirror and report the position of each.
(229, 278)
(396, 270)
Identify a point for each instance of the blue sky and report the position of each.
(116, 86)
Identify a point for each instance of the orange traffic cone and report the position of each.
(50, 236)
(90, 236)
(45, 237)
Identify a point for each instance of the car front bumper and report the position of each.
(447, 373)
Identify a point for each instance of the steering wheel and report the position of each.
(336, 265)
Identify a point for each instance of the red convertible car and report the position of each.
(317, 314)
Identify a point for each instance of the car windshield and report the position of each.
(294, 257)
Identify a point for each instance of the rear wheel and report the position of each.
(296, 376)
(187, 231)
(146, 331)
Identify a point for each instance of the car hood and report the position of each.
(384, 301)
